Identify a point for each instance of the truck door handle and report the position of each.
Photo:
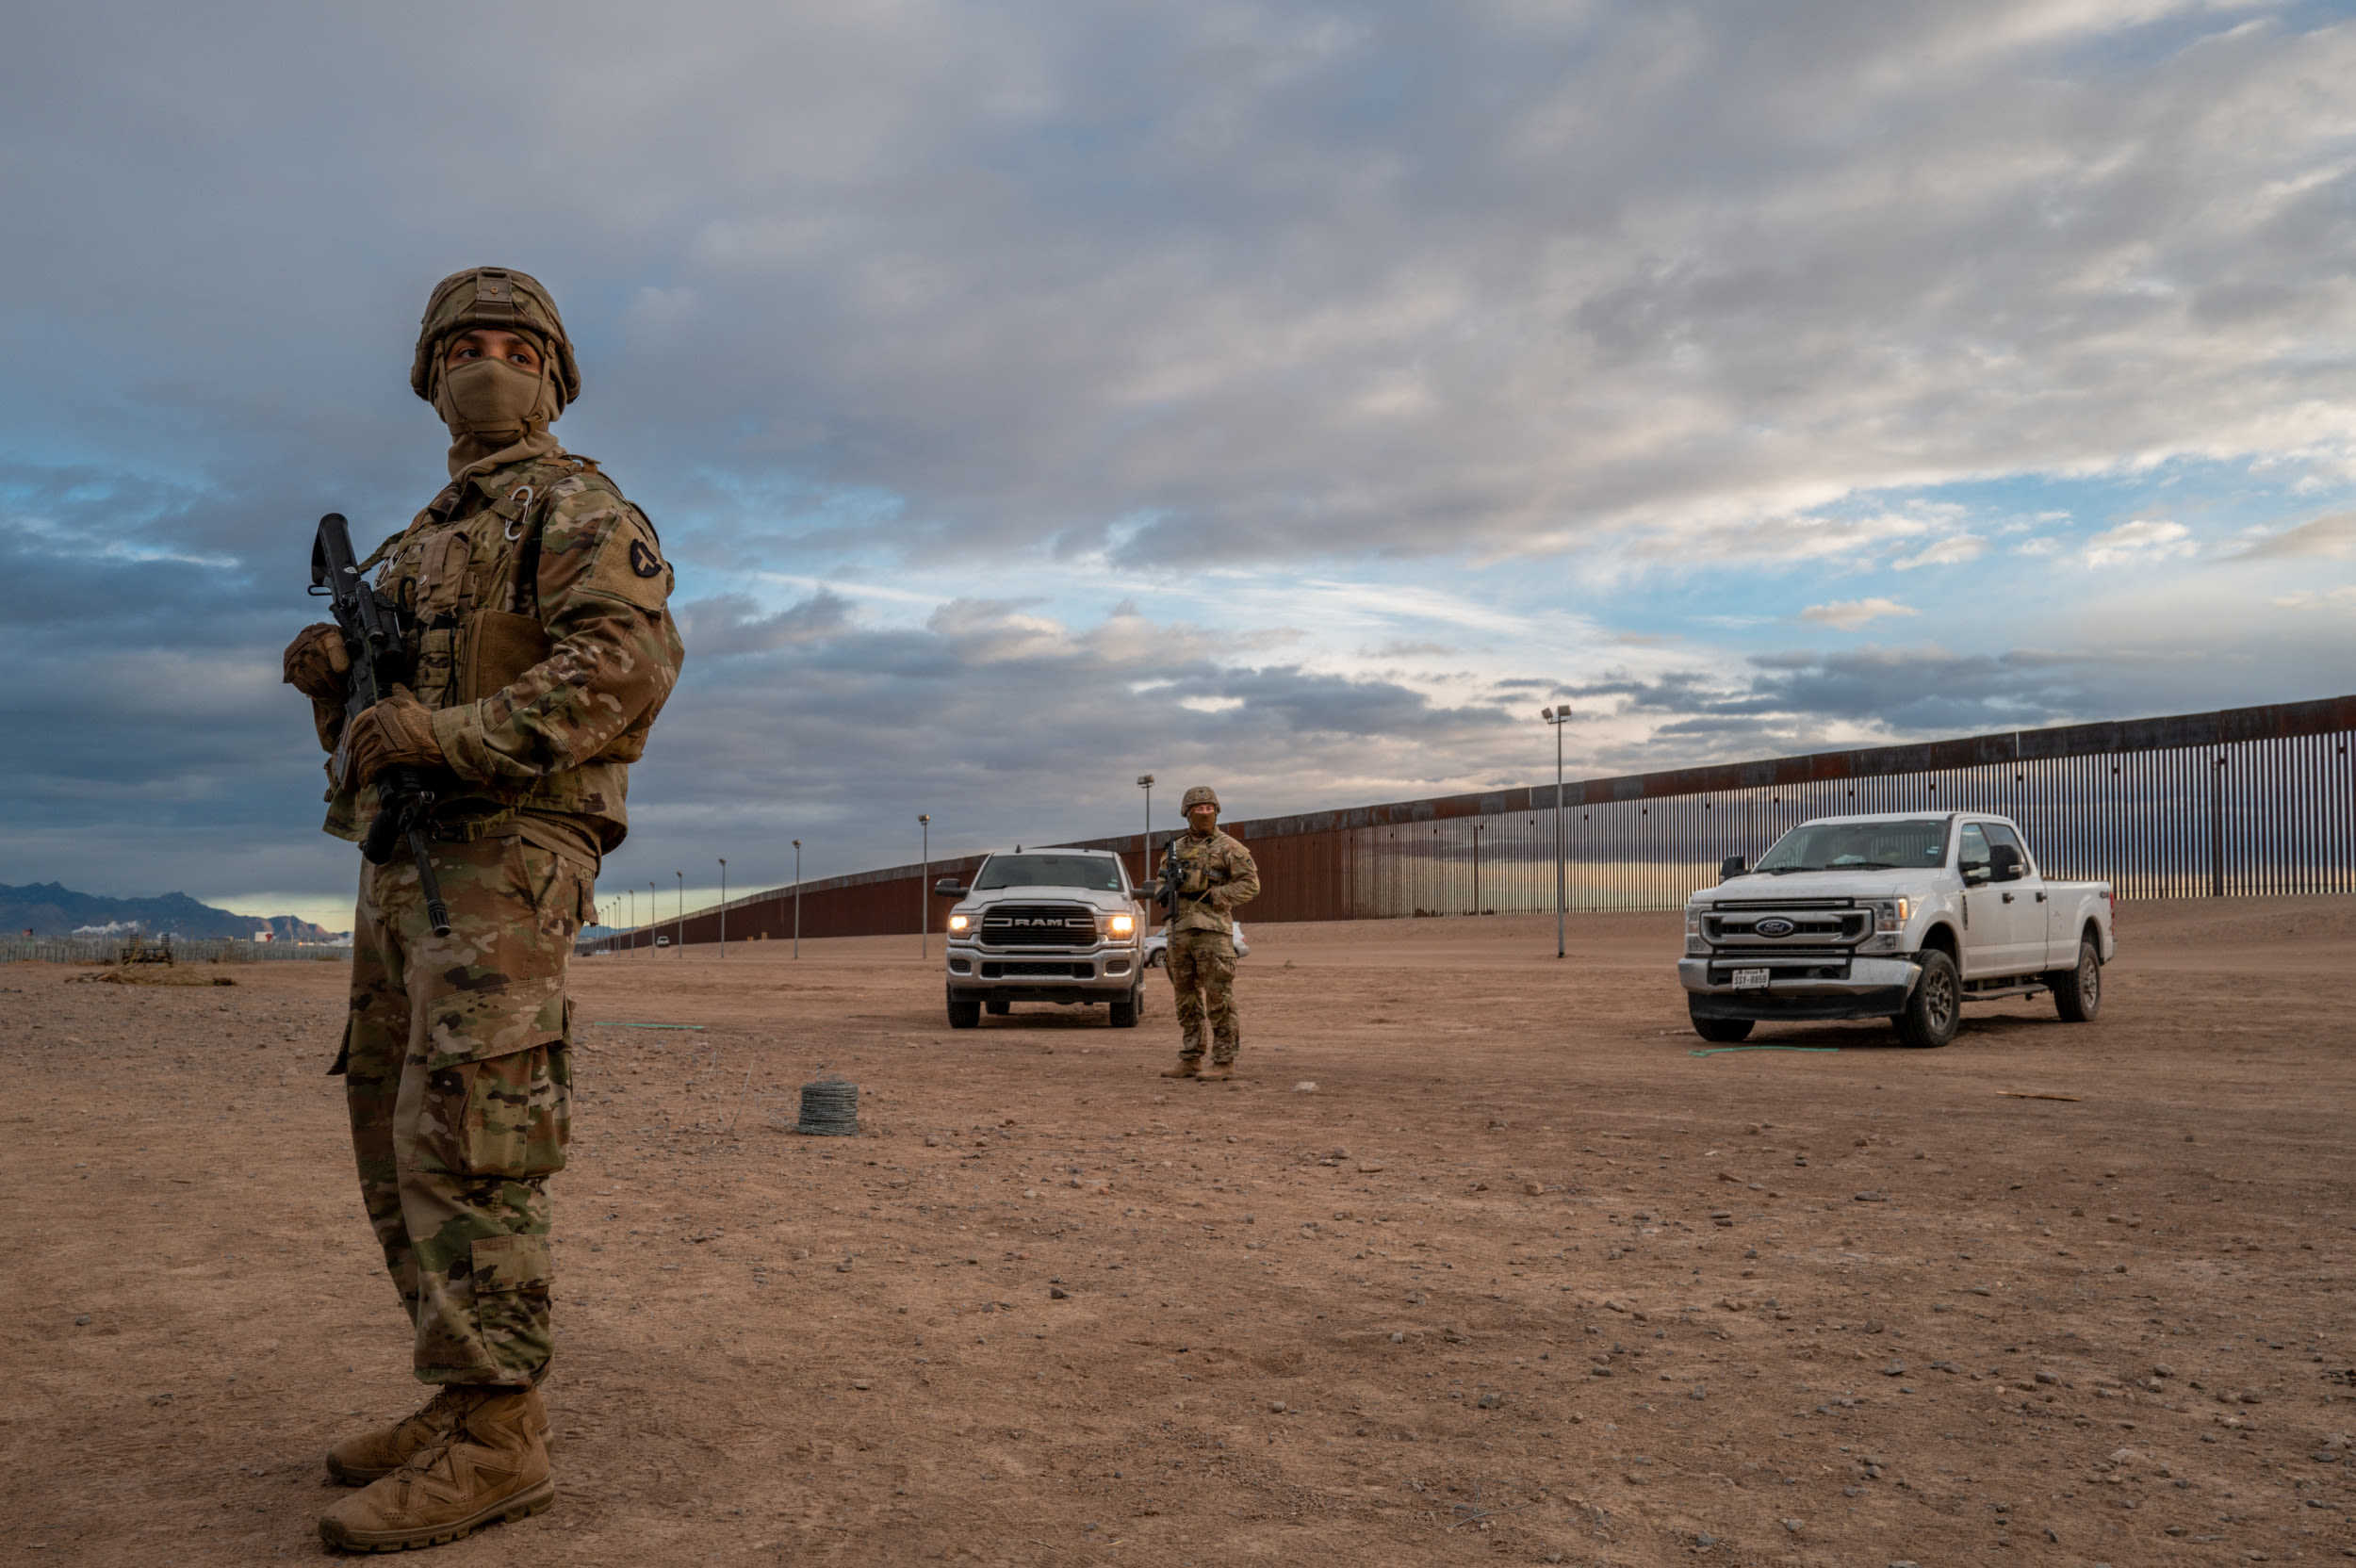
(2040, 897)
(2009, 898)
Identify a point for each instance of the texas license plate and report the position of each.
(1750, 979)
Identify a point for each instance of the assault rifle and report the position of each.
(373, 637)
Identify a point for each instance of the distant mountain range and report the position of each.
(51, 909)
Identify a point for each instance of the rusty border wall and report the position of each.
(2246, 801)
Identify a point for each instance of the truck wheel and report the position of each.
(1936, 1008)
(2078, 993)
(1725, 1030)
(1125, 1012)
(998, 1008)
(964, 1015)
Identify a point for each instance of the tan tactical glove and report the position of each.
(396, 733)
(316, 664)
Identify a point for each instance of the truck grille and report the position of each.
(1021, 969)
(1039, 926)
(1788, 930)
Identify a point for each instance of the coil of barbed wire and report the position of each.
(829, 1108)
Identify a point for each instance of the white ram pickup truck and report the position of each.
(1905, 916)
(1061, 925)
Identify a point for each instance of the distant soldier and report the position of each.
(534, 599)
(1209, 875)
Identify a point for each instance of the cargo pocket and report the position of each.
(517, 1114)
(511, 1279)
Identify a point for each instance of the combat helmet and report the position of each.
(1201, 794)
(492, 297)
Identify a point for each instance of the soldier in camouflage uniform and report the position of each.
(536, 600)
(1216, 874)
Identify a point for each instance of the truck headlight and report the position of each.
(958, 923)
(1889, 914)
(1123, 925)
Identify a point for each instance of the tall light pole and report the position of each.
(923, 889)
(654, 918)
(1145, 782)
(1557, 717)
(682, 913)
(797, 898)
(633, 916)
(724, 905)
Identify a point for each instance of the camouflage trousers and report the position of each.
(1203, 973)
(459, 1085)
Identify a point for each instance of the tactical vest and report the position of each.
(1197, 858)
(468, 593)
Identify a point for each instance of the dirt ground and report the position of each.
(1523, 1277)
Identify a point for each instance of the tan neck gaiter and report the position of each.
(498, 414)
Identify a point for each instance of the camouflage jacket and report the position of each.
(1204, 903)
(535, 598)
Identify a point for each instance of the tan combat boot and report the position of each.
(1215, 1072)
(372, 1455)
(489, 1464)
(1189, 1067)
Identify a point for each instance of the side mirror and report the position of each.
(1731, 866)
(2004, 863)
(947, 887)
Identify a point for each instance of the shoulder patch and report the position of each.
(630, 566)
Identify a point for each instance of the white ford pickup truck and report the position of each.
(1904, 916)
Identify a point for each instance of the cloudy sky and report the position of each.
(1290, 396)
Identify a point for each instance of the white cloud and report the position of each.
(2332, 536)
(1784, 537)
(1954, 550)
(1849, 615)
(2307, 599)
(2144, 540)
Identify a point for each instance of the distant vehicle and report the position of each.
(1157, 947)
(1905, 916)
(663, 941)
(1061, 925)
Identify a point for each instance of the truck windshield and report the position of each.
(1097, 872)
(1858, 846)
